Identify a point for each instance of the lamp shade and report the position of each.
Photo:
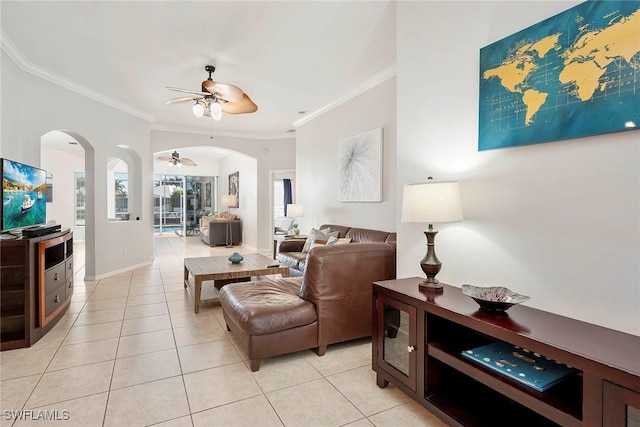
(295, 211)
(228, 200)
(431, 202)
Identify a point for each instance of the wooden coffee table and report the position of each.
(219, 270)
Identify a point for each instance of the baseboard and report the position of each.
(116, 272)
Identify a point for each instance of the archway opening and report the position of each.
(69, 159)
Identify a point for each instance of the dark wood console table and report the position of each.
(418, 339)
(36, 286)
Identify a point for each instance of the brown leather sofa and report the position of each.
(330, 303)
(290, 251)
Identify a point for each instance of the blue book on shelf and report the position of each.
(529, 368)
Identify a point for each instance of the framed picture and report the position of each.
(360, 167)
(234, 187)
(207, 194)
(569, 76)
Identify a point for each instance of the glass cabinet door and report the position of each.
(397, 340)
(621, 406)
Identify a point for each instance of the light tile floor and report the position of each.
(131, 352)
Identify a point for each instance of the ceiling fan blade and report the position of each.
(245, 106)
(225, 91)
(187, 162)
(195, 92)
(163, 159)
(182, 100)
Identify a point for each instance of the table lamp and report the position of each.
(228, 200)
(429, 203)
(295, 211)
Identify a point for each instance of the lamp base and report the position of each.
(430, 286)
(430, 264)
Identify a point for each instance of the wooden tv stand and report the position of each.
(36, 285)
(418, 339)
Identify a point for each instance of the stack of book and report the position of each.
(531, 369)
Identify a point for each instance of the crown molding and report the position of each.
(25, 65)
(374, 81)
(198, 131)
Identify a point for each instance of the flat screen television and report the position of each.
(24, 202)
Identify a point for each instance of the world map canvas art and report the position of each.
(572, 75)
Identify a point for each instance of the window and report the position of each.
(118, 189)
(80, 199)
(121, 187)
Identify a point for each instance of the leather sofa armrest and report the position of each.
(292, 245)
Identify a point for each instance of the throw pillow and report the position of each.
(314, 235)
(338, 241)
(317, 243)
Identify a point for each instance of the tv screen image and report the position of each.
(23, 195)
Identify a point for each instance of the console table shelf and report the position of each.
(419, 338)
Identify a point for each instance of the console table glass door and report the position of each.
(397, 351)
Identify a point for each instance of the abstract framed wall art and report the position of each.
(573, 75)
(360, 167)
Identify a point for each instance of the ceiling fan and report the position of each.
(215, 98)
(175, 160)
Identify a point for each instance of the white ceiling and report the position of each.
(287, 56)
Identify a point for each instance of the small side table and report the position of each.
(277, 238)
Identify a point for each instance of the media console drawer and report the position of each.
(54, 277)
(55, 299)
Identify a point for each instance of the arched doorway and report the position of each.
(69, 158)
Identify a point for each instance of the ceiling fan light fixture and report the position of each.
(198, 109)
(215, 108)
(213, 97)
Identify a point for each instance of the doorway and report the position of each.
(277, 194)
(179, 202)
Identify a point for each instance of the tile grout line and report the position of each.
(173, 334)
(23, 406)
(115, 358)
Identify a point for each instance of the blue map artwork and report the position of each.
(572, 75)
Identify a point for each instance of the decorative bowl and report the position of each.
(497, 298)
(235, 258)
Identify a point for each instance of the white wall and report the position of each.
(247, 209)
(110, 247)
(270, 154)
(317, 161)
(63, 165)
(557, 221)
